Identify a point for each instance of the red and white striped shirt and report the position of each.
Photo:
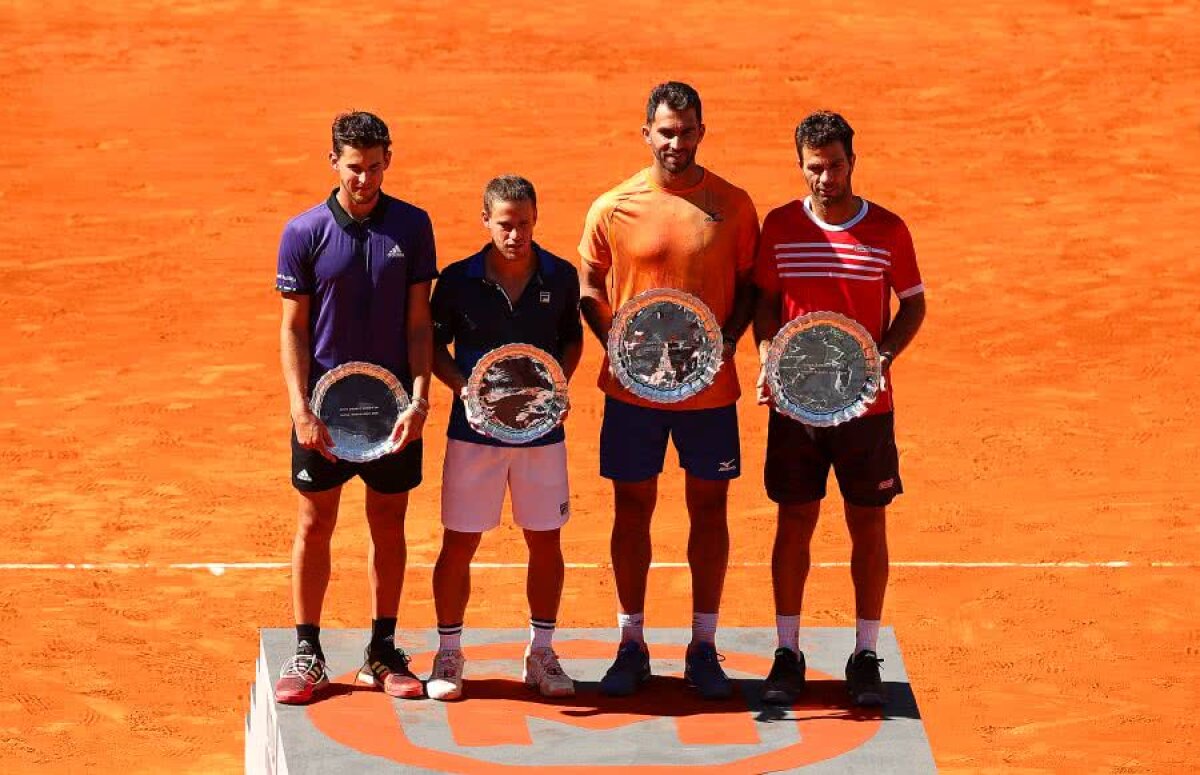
(851, 268)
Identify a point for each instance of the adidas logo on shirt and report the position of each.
(395, 252)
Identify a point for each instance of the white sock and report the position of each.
(704, 627)
(450, 637)
(541, 633)
(866, 633)
(788, 629)
(631, 627)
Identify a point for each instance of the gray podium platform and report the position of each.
(501, 726)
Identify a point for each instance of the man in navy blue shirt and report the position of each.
(354, 273)
(511, 291)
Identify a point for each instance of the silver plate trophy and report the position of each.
(823, 369)
(516, 393)
(359, 402)
(665, 346)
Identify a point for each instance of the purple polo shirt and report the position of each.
(358, 274)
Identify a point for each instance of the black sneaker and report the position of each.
(386, 667)
(629, 671)
(862, 679)
(785, 682)
(702, 670)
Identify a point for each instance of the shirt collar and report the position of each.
(344, 219)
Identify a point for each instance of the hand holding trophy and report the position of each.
(665, 346)
(516, 393)
(822, 369)
(359, 403)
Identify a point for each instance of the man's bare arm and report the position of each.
(445, 369)
(744, 309)
(767, 322)
(571, 353)
(420, 363)
(904, 326)
(295, 353)
(593, 302)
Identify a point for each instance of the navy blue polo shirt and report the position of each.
(358, 273)
(476, 315)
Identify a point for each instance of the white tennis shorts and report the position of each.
(475, 476)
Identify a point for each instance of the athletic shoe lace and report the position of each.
(629, 657)
(864, 657)
(393, 659)
(300, 666)
(710, 655)
(548, 661)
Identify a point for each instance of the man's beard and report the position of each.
(682, 161)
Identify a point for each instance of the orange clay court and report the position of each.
(1044, 154)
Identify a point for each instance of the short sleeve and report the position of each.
(594, 247)
(441, 308)
(903, 274)
(570, 329)
(766, 271)
(294, 266)
(423, 266)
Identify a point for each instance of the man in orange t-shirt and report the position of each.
(673, 225)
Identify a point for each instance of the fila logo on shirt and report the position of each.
(544, 297)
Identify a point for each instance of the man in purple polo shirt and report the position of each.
(354, 273)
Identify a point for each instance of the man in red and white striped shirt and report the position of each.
(833, 251)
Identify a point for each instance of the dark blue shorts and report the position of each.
(633, 441)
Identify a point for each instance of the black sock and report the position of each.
(383, 632)
(312, 634)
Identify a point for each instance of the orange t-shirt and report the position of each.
(698, 240)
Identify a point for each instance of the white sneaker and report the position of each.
(446, 680)
(543, 672)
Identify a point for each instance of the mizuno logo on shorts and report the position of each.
(727, 465)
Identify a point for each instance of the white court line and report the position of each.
(219, 568)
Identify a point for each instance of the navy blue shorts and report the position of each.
(633, 441)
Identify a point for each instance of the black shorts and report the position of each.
(862, 453)
(391, 474)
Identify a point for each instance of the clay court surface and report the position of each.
(1045, 156)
